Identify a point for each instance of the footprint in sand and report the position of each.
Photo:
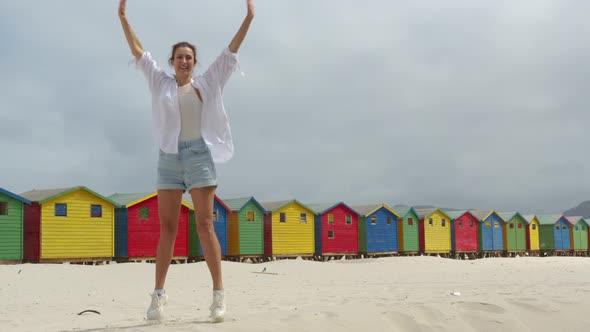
(480, 307)
(529, 306)
(403, 322)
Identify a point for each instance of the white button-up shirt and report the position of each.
(215, 127)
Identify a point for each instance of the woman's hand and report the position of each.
(250, 4)
(236, 42)
(134, 44)
(122, 4)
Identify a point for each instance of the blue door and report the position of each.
(487, 238)
(381, 231)
(565, 235)
(498, 235)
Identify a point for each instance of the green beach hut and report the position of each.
(11, 225)
(514, 232)
(407, 227)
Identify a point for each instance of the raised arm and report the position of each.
(134, 44)
(234, 46)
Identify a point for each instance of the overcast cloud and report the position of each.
(467, 104)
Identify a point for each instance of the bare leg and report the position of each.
(169, 202)
(203, 199)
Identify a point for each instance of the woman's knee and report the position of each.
(168, 227)
(205, 225)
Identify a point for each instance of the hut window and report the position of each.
(471, 223)
(3, 208)
(348, 219)
(96, 211)
(303, 218)
(511, 225)
(330, 218)
(282, 217)
(373, 220)
(443, 223)
(557, 227)
(61, 209)
(330, 234)
(389, 220)
(496, 224)
(534, 226)
(461, 223)
(144, 213)
(576, 227)
(215, 216)
(410, 222)
(430, 222)
(250, 216)
(487, 224)
(519, 225)
(583, 227)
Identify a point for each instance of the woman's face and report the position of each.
(183, 61)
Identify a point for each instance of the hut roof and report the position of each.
(325, 207)
(548, 219)
(481, 215)
(507, 216)
(277, 205)
(403, 211)
(529, 218)
(456, 213)
(44, 195)
(123, 199)
(130, 199)
(15, 196)
(575, 219)
(423, 213)
(365, 210)
(237, 204)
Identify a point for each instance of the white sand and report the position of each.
(389, 294)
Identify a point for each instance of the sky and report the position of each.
(458, 103)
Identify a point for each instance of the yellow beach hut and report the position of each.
(68, 224)
(288, 229)
(532, 233)
(435, 231)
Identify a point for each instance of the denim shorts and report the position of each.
(192, 167)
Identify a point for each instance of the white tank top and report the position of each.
(191, 108)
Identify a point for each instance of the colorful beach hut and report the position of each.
(221, 213)
(532, 233)
(464, 231)
(435, 231)
(377, 229)
(579, 233)
(336, 229)
(554, 233)
(514, 232)
(245, 227)
(137, 227)
(288, 229)
(490, 230)
(11, 225)
(68, 224)
(407, 230)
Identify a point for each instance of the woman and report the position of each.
(193, 132)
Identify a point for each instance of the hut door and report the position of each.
(557, 232)
(487, 237)
(565, 236)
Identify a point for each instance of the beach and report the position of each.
(384, 294)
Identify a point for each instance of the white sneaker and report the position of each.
(217, 307)
(156, 309)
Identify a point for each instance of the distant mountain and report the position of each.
(581, 210)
